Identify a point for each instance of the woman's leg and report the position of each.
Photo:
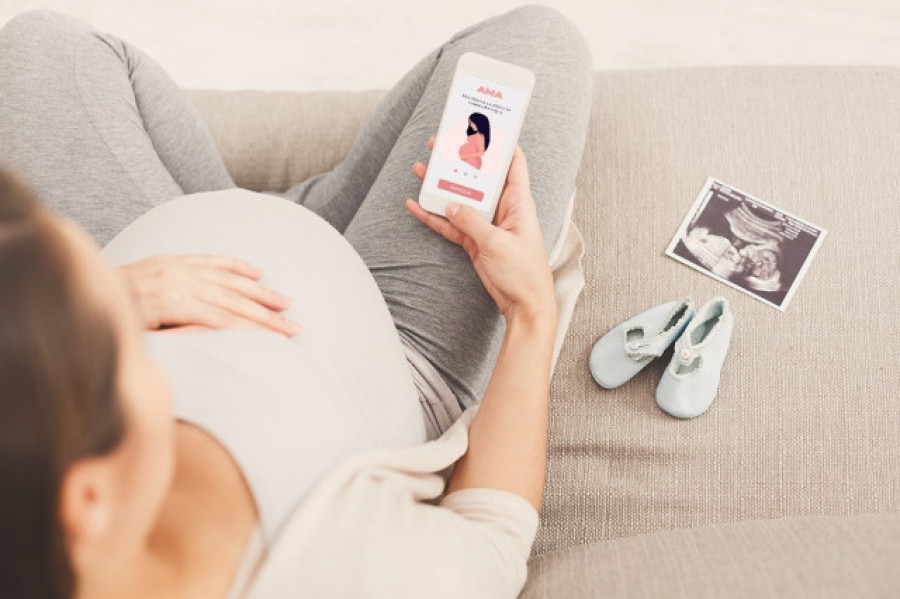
(99, 130)
(438, 303)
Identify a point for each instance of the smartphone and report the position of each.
(477, 136)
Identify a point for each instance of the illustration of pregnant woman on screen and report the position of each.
(478, 139)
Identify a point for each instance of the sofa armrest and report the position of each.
(270, 140)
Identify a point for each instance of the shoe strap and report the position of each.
(647, 347)
(684, 352)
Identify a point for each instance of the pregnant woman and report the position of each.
(478, 138)
(211, 392)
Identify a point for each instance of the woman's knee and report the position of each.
(550, 27)
(39, 37)
(46, 40)
(41, 23)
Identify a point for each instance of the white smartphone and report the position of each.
(477, 136)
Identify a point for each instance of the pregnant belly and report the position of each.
(347, 327)
(466, 151)
(340, 386)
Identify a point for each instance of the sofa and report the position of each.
(789, 485)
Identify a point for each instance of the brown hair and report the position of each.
(58, 401)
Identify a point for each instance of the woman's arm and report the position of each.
(508, 438)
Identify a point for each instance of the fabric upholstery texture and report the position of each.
(806, 422)
(812, 557)
(270, 140)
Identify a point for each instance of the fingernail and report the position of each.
(284, 299)
(292, 327)
(452, 209)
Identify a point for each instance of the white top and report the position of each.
(287, 409)
(327, 426)
(377, 526)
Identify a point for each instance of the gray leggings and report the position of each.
(103, 134)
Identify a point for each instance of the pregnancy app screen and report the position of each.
(470, 159)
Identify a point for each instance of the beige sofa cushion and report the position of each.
(260, 134)
(812, 557)
(807, 420)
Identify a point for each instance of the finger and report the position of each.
(219, 318)
(419, 169)
(469, 222)
(251, 289)
(241, 307)
(435, 222)
(235, 265)
(184, 328)
(518, 168)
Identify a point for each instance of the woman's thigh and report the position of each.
(97, 128)
(436, 299)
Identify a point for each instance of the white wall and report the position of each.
(356, 44)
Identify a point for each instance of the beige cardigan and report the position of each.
(378, 525)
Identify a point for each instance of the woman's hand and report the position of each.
(200, 289)
(509, 257)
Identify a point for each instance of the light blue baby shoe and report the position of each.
(625, 350)
(691, 380)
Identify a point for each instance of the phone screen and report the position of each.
(478, 135)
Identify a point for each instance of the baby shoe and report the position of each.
(690, 382)
(625, 350)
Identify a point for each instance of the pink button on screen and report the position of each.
(462, 190)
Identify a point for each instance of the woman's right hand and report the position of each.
(203, 292)
(509, 257)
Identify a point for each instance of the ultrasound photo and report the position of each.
(746, 243)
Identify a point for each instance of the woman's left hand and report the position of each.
(213, 292)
